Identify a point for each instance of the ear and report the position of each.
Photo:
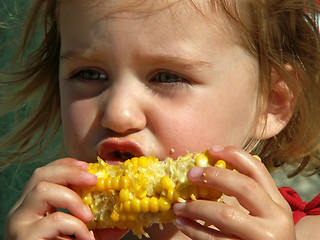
(279, 109)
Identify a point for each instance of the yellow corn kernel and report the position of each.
(166, 183)
(125, 182)
(134, 161)
(124, 195)
(257, 157)
(123, 217)
(144, 204)
(172, 195)
(164, 204)
(140, 187)
(87, 197)
(135, 205)
(100, 185)
(92, 171)
(115, 216)
(143, 162)
(115, 183)
(154, 204)
(220, 164)
(142, 194)
(181, 200)
(131, 217)
(127, 206)
(201, 160)
(143, 181)
(193, 196)
(107, 183)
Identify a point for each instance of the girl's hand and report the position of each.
(34, 216)
(264, 213)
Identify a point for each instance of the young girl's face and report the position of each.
(152, 80)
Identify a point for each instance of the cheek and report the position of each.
(78, 119)
(217, 121)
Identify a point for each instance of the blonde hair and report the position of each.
(277, 32)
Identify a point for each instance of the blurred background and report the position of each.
(14, 177)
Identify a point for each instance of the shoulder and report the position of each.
(307, 228)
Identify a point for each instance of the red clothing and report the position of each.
(298, 207)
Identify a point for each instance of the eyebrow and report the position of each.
(78, 55)
(151, 59)
(176, 60)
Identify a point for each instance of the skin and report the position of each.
(161, 85)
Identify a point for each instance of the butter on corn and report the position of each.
(141, 191)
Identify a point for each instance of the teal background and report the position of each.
(14, 177)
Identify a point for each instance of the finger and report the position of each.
(61, 224)
(64, 172)
(47, 195)
(197, 231)
(247, 191)
(227, 219)
(246, 164)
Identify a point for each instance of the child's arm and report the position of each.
(34, 216)
(265, 213)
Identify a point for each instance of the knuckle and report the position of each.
(64, 161)
(37, 173)
(58, 217)
(228, 214)
(42, 187)
(249, 185)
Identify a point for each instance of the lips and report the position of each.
(114, 151)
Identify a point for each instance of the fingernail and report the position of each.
(81, 164)
(87, 176)
(195, 172)
(217, 148)
(87, 211)
(178, 207)
(180, 221)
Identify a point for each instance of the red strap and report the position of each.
(298, 207)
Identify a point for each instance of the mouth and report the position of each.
(122, 156)
(115, 151)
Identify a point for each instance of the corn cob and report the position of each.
(141, 191)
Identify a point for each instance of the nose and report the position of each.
(123, 110)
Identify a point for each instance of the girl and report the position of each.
(132, 78)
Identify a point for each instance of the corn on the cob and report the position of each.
(141, 191)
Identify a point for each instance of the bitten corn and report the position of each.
(141, 191)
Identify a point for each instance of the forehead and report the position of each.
(142, 7)
(179, 17)
(167, 10)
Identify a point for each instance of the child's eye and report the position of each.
(89, 75)
(168, 77)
